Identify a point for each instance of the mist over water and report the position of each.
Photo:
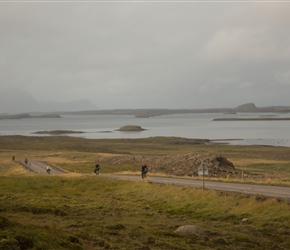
(200, 126)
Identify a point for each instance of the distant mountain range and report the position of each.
(17, 101)
(16, 104)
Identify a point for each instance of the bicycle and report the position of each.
(97, 169)
(144, 175)
(144, 171)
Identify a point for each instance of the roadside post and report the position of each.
(202, 171)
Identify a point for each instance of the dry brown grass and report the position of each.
(245, 162)
(79, 155)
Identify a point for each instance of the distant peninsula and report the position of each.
(25, 116)
(148, 113)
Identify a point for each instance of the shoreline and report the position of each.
(231, 141)
(253, 119)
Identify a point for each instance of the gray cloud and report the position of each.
(146, 55)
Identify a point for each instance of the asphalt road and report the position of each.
(40, 167)
(252, 189)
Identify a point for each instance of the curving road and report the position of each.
(252, 189)
(40, 167)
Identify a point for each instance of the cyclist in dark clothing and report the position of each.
(97, 169)
(144, 171)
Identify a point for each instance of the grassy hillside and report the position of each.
(83, 211)
(89, 212)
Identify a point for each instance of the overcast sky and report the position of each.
(142, 54)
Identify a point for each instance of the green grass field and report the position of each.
(83, 211)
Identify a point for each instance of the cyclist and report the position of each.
(144, 170)
(48, 169)
(97, 168)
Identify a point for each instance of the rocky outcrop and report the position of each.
(248, 107)
(187, 165)
(179, 165)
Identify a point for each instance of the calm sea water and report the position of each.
(183, 125)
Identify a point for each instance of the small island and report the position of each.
(58, 132)
(130, 128)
